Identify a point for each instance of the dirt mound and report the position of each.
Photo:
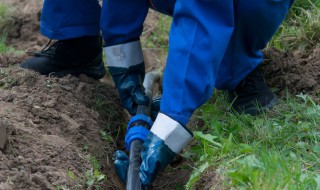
(298, 72)
(54, 129)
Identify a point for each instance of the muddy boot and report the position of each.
(73, 56)
(252, 95)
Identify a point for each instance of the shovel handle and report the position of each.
(133, 180)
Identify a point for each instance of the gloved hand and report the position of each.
(138, 128)
(166, 139)
(121, 164)
(129, 83)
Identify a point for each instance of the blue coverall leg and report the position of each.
(122, 25)
(65, 19)
(255, 24)
(212, 44)
(205, 45)
(125, 26)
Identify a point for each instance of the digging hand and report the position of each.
(129, 85)
(138, 128)
(121, 164)
(166, 139)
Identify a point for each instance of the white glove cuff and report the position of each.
(124, 55)
(174, 135)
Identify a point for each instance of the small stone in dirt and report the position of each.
(3, 135)
(36, 121)
(54, 140)
(72, 123)
(50, 104)
(33, 169)
(20, 157)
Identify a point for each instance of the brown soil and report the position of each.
(298, 72)
(24, 34)
(210, 180)
(54, 127)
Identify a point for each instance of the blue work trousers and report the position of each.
(213, 43)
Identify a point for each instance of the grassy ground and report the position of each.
(6, 21)
(301, 29)
(277, 150)
(4, 48)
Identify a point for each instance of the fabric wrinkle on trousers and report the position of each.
(212, 43)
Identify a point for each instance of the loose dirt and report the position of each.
(296, 72)
(3, 135)
(55, 130)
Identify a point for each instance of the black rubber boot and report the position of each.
(73, 56)
(252, 95)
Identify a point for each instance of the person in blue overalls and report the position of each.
(212, 44)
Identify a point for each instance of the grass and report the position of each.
(277, 150)
(6, 49)
(93, 178)
(6, 18)
(301, 28)
(157, 36)
(6, 23)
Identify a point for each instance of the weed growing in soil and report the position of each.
(109, 133)
(277, 150)
(3, 47)
(6, 20)
(92, 178)
(6, 81)
(157, 37)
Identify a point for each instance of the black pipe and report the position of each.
(133, 180)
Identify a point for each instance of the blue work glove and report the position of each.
(126, 66)
(131, 99)
(121, 164)
(166, 139)
(129, 83)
